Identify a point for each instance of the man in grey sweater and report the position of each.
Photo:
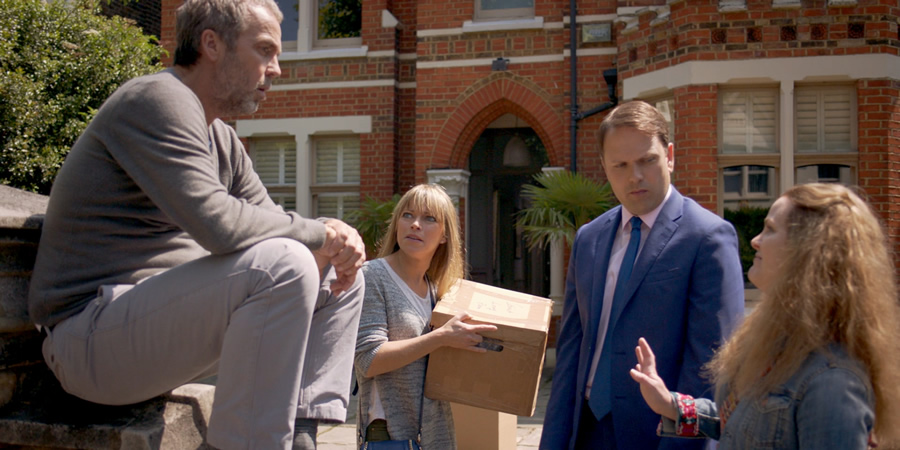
(163, 260)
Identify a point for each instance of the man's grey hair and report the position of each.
(225, 17)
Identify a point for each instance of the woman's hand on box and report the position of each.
(457, 333)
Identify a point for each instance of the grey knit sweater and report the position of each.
(388, 315)
(149, 186)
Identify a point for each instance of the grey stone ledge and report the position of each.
(21, 209)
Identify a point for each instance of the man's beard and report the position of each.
(233, 100)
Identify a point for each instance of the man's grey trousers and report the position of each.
(281, 344)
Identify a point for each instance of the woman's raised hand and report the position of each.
(653, 388)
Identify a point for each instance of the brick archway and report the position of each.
(482, 105)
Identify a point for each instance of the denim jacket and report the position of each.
(827, 404)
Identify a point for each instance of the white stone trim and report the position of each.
(734, 5)
(596, 51)
(331, 53)
(388, 20)
(487, 61)
(535, 23)
(381, 53)
(456, 183)
(811, 69)
(557, 265)
(333, 85)
(588, 18)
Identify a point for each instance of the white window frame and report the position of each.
(502, 14)
(340, 188)
(304, 130)
(789, 156)
(745, 195)
(312, 14)
(307, 35)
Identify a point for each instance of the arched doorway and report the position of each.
(506, 156)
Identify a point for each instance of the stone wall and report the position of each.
(35, 413)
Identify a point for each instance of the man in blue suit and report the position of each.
(660, 267)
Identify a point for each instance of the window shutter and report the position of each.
(350, 172)
(327, 206)
(275, 162)
(824, 120)
(749, 121)
(265, 162)
(327, 162)
(337, 161)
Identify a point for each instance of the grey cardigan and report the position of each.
(387, 315)
(149, 186)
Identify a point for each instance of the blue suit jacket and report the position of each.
(685, 296)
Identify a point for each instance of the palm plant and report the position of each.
(560, 204)
(371, 221)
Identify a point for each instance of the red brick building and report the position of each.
(388, 93)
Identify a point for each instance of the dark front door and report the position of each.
(496, 248)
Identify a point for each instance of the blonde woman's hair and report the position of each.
(447, 265)
(837, 285)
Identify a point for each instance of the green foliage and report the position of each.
(58, 62)
(340, 19)
(748, 222)
(371, 220)
(560, 204)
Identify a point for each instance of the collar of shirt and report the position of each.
(649, 218)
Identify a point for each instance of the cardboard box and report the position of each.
(506, 377)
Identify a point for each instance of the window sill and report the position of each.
(330, 53)
(535, 23)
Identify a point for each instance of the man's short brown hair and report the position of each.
(225, 17)
(639, 115)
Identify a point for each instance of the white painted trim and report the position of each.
(786, 134)
(333, 85)
(388, 20)
(534, 23)
(439, 32)
(381, 54)
(735, 5)
(302, 129)
(786, 4)
(629, 10)
(488, 61)
(598, 51)
(407, 85)
(407, 56)
(524, 24)
(456, 183)
(759, 71)
(590, 18)
(351, 52)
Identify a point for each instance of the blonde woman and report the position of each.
(420, 258)
(815, 365)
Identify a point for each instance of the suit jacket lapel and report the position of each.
(602, 252)
(662, 231)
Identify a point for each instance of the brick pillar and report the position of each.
(696, 143)
(879, 152)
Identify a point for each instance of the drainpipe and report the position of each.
(573, 84)
(610, 75)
